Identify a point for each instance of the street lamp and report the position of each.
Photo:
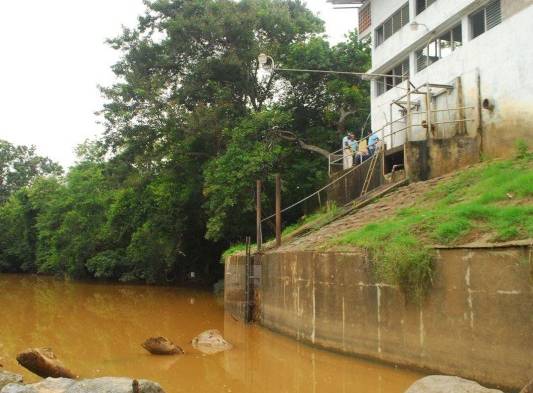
(415, 25)
(264, 59)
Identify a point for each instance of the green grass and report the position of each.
(491, 201)
(240, 247)
(322, 214)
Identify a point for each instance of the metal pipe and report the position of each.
(428, 109)
(259, 235)
(454, 121)
(409, 120)
(278, 210)
(446, 110)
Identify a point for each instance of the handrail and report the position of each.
(316, 192)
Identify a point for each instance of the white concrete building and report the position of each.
(472, 61)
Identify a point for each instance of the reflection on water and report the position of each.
(96, 329)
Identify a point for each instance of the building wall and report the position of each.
(500, 58)
(476, 322)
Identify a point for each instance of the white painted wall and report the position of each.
(503, 57)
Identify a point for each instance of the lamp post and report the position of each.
(264, 59)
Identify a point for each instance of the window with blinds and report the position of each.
(421, 5)
(486, 18)
(394, 77)
(439, 48)
(393, 24)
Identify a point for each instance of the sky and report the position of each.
(54, 56)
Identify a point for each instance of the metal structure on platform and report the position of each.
(409, 108)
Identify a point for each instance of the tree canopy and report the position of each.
(191, 122)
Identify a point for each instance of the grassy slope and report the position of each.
(492, 201)
(317, 217)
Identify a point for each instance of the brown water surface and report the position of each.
(96, 329)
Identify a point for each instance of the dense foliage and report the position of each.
(191, 122)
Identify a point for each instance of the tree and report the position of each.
(20, 165)
(191, 123)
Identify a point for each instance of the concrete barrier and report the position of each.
(477, 321)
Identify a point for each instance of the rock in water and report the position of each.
(210, 342)
(7, 378)
(44, 363)
(100, 385)
(447, 384)
(161, 346)
(528, 388)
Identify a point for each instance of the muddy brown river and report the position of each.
(97, 329)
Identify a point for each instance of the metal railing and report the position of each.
(389, 133)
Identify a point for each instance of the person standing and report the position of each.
(372, 143)
(347, 154)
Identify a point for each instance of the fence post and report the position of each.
(278, 210)
(259, 234)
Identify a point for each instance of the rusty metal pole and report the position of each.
(409, 120)
(258, 216)
(278, 210)
(429, 130)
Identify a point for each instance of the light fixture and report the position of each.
(263, 60)
(266, 62)
(414, 26)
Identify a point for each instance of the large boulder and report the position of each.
(7, 378)
(98, 385)
(161, 346)
(210, 342)
(44, 363)
(447, 384)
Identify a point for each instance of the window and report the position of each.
(421, 5)
(394, 77)
(393, 24)
(439, 48)
(486, 18)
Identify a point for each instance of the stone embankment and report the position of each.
(386, 206)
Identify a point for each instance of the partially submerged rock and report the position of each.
(44, 363)
(210, 342)
(6, 378)
(100, 385)
(161, 346)
(447, 384)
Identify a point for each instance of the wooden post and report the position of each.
(278, 210)
(258, 216)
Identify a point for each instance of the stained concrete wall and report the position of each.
(435, 157)
(235, 286)
(477, 321)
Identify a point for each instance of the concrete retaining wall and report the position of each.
(477, 321)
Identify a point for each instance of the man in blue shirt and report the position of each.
(372, 141)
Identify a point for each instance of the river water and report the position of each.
(96, 330)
